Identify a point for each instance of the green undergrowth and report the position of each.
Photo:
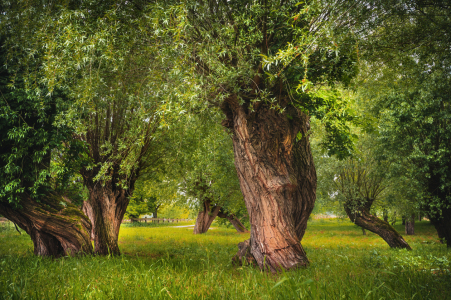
(172, 263)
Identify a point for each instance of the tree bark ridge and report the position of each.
(277, 178)
(56, 226)
(106, 207)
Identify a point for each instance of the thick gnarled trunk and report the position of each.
(56, 226)
(234, 221)
(205, 217)
(362, 217)
(106, 207)
(277, 178)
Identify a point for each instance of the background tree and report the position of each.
(200, 172)
(359, 184)
(142, 202)
(414, 128)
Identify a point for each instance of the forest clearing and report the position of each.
(307, 143)
(172, 263)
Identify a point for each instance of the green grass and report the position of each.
(154, 224)
(172, 263)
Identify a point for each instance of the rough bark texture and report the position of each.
(361, 216)
(244, 256)
(410, 225)
(55, 226)
(277, 178)
(87, 210)
(205, 217)
(234, 221)
(106, 207)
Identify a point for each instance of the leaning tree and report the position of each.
(359, 185)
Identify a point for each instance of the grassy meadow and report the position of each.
(164, 262)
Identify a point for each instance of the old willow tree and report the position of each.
(29, 140)
(226, 44)
(101, 55)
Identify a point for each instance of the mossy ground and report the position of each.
(172, 263)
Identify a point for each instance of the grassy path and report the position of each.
(172, 263)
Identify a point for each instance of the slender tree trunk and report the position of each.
(55, 226)
(403, 218)
(363, 231)
(277, 178)
(361, 217)
(393, 220)
(410, 225)
(106, 207)
(385, 213)
(234, 221)
(155, 212)
(205, 217)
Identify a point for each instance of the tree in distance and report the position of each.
(357, 184)
(200, 172)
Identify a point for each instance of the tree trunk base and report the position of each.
(56, 226)
(106, 207)
(244, 256)
(205, 217)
